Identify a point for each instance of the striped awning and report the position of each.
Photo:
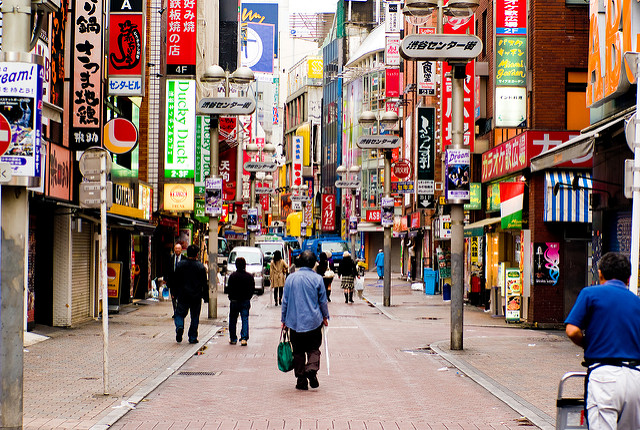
(569, 204)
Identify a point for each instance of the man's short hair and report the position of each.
(307, 259)
(614, 265)
(241, 263)
(192, 251)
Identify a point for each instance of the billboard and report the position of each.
(180, 125)
(126, 47)
(181, 37)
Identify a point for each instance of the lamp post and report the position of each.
(388, 120)
(353, 171)
(253, 148)
(456, 8)
(216, 75)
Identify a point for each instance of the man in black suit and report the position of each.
(191, 288)
(171, 270)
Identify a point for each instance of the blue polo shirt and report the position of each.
(304, 301)
(610, 316)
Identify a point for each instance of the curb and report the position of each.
(148, 386)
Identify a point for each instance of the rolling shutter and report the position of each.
(81, 274)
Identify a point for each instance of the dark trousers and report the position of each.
(193, 308)
(277, 295)
(306, 351)
(239, 307)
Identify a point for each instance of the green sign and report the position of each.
(493, 197)
(180, 127)
(199, 209)
(475, 200)
(203, 154)
(511, 61)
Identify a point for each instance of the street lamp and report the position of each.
(253, 148)
(352, 171)
(241, 78)
(454, 8)
(388, 119)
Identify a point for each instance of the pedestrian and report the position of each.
(278, 275)
(326, 269)
(191, 288)
(304, 312)
(411, 273)
(176, 257)
(380, 264)
(605, 321)
(347, 272)
(240, 288)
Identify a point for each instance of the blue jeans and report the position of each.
(181, 313)
(239, 307)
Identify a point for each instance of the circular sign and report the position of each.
(5, 134)
(179, 194)
(120, 136)
(402, 169)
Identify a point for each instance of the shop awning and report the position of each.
(482, 223)
(570, 202)
(140, 226)
(578, 147)
(370, 227)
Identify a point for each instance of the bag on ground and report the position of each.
(285, 352)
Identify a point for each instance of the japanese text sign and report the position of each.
(443, 47)
(328, 212)
(392, 51)
(426, 71)
(181, 37)
(180, 139)
(511, 61)
(511, 17)
(203, 153)
(296, 168)
(425, 163)
(126, 47)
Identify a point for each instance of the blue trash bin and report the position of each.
(430, 281)
(446, 291)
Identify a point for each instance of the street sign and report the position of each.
(90, 194)
(260, 166)
(384, 141)
(348, 184)
(90, 163)
(227, 106)
(264, 190)
(302, 199)
(5, 173)
(5, 134)
(441, 47)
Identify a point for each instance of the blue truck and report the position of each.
(335, 244)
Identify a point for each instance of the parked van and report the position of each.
(334, 244)
(269, 248)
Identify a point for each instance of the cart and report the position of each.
(570, 403)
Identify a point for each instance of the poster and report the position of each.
(457, 170)
(546, 263)
(252, 219)
(213, 200)
(387, 212)
(353, 224)
(513, 301)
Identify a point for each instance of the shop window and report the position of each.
(576, 99)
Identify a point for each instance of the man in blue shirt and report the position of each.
(304, 311)
(380, 264)
(605, 321)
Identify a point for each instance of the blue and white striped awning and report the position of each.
(568, 205)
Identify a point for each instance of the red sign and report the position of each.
(125, 44)
(402, 169)
(181, 37)
(60, 173)
(392, 82)
(120, 136)
(328, 212)
(511, 16)
(373, 215)
(5, 134)
(415, 220)
(515, 154)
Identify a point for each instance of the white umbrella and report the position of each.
(325, 330)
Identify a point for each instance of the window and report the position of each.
(576, 99)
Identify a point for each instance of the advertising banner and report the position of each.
(514, 294)
(393, 17)
(213, 199)
(181, 37)
(392, 50)
(87, 75)
(546, 263)
(180, 124)
(373, 215)
(511, 61)
(259, 13)
(126, 47)
(425, 161)
(258, 50)
(511, 201)
(457, 165)
(426, 78)
(392, 83)
(252, 219)
(203, 153)
(296, 165)
(511, 17)
(178, 197)
(21, 105)
(353, 224)
(328, 212)
(386, 213)
(475, 197)
(511, 106)
(60, 175)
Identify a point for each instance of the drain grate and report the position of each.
(190, 373)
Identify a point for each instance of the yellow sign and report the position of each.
(114, 275)
(315, 68)
(178, 197)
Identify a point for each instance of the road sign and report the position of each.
(227, 106)
(5, 173)
(384, 141)
(90, 163)
(260, 166)
(441, 47)
(90, 194)
(5, 134)
(302, 199)
(348, 184)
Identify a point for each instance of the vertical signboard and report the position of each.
(425, 163)
(296, 168)
(328, 212)
(513, 286)
(87, 75)
(546, 263)
(126, 47)
(181, 37)
(392, 50)
(426, 71)
(60, 173)
(393, 18)
(392, 83)
(203, 154)
(180, 124)
(457, 166)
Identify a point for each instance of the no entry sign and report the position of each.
(5, 135)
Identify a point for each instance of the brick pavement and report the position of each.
(383, 372)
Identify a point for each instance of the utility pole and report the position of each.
(213, 219)
(386, 283)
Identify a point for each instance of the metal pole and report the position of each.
(213, 221)
(103, 271)
(635, 218)
(252, 204)
(440, 18)
(457, 211)
(386, 290)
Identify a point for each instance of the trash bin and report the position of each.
(446, 291)
(430, 281)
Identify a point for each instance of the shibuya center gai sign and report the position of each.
(179, 156)
(442, 47)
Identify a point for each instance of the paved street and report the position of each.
(390, 368)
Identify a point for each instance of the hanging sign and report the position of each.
(386, 212)
(457, 163)
(213, 200)
(180, 125)
(425, 163)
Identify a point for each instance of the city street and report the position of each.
(390, 368)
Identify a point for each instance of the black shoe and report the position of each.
(193, 341)
(302, 384)
(179, 332)
(313, 380)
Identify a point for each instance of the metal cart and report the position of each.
(570, 404)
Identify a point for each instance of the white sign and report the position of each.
(426, 71)
(425, 186)
(260, 166)
(510, 106)
(296, 167)
(393, 19)
(125, 86)
(5, 173)
(384, 141)
(180, 126)
(442, 47)
(392, 51)
(348, 184)
(227, 106)
(300, 199)
(89, 195)
(89, 164)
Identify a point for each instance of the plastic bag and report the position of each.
(359, 283)
(285, 352)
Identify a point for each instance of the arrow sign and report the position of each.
(378, 142)
(260, 166)
(5, 173)
(348, 184)
(227, 105)
(5, 135)
(441, 47)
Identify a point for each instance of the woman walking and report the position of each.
(278, 275)
(325, 269)
(347, 272)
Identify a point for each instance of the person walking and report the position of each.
(190, 280)
(278, 275)
(380, 264)
(605, 321)
(326, 269)
(176, 257)
(304, 312)
(347, 272)
(240, 288)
